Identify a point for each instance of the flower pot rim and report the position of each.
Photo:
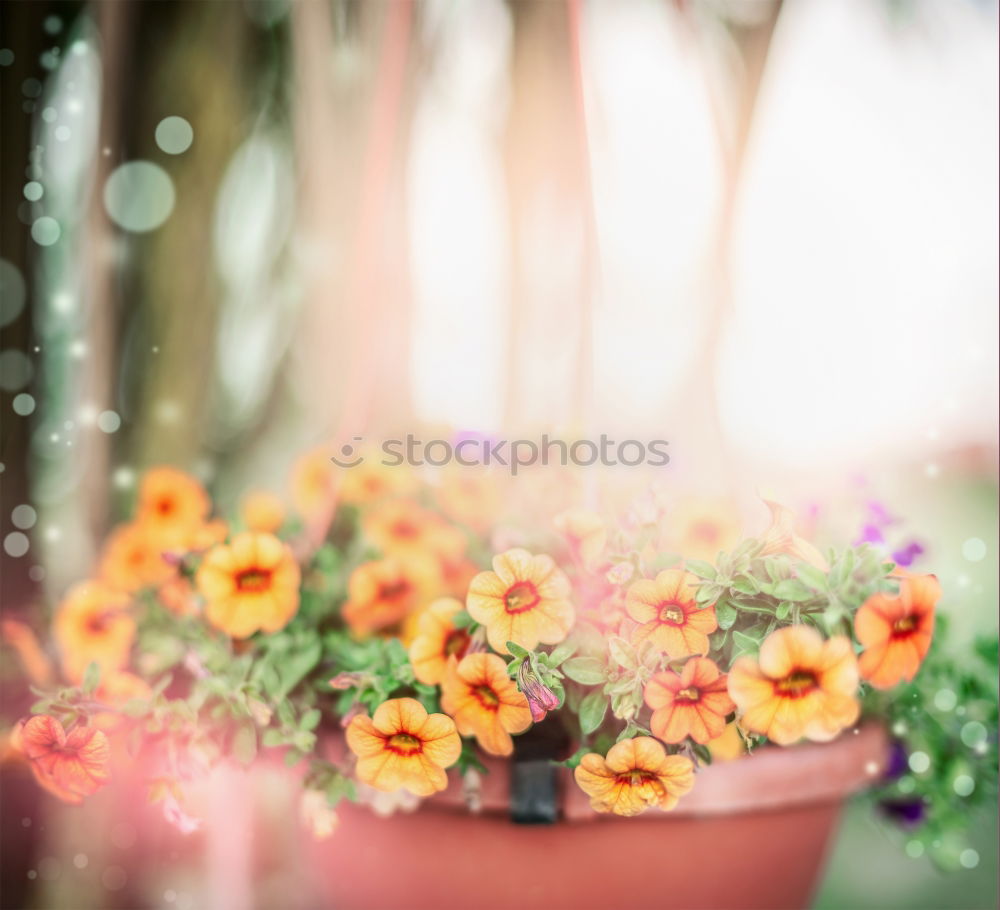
(773, 778)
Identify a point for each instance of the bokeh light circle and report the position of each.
(139, 196)
(45, 231)
(174, 135)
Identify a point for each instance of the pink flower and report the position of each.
(541, 699)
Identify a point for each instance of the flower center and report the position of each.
(406, 529)
(98, 623)
(688, 694)
(456, 642)
(904, 626)
(404, 743)
(487, 697)
(671, 613)
(636, 777)
(394, 590)
(520, 597)
(165, 505)
(705, 531)
(797, 684)
(251, 580)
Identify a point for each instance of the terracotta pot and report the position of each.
(752, 834)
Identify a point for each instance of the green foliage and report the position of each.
(945, 721)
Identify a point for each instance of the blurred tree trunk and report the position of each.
(191, 61)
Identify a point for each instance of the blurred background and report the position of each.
(234, 229)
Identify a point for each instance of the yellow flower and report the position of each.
(249, 585)
(669, 615)
(525, 599)
(799, 686)
(171, 503)
(370, 481)
(382, 593)
(402, 746)
(585, 532)
(263, 511)
(94, 624)
(702, 528)
(314, 485)
(781, 537)
(484, 701)
(133, 558)
(636, 775)
(437, 638)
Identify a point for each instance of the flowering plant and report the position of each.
(431, 633)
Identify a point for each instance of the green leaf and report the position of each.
(273, 738)
(297, 666)
(744, 643)
(91, 678)
(561, 652)
(746, 585)
(586, 670)
(726, 614)
(517, 650)
(462, 620)
(792, 589)
(702, 569)
(813, 577)
(592, 711)
(783, 610)
(310, 720)
(622, 653)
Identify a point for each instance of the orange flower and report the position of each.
(896, 631)
(314, 484)
(636, 775)
(400, 527)
(171, 503)
(668, 615)
(402, 746)
(729, 746)
(484, 701)
(133, 557)
(799, 686)
(93, 625)
(472, 496)
(250, 584)
(371, 480)
(263, 511)
(383, 592)
(456, 575)
(69, 765)
(691, 703)
(178, 596)
(702, 528)
(525, 599)
(585, 532)
(781, 537)
(437, 638)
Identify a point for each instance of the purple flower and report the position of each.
(898, 762)
(869, 534)
(908, 554)
(908, 813)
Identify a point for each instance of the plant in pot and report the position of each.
(566, 709)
